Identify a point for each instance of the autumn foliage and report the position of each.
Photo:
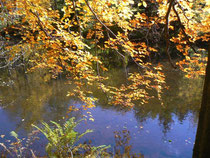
(66, 38)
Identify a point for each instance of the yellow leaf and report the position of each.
(91, 119)
(144, 4)
(139, 4)
(187, 57)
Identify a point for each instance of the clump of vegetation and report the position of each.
(62, 142)
(63, 139)
(19, 148)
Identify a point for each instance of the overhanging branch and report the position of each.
(182, 28)
(95, 15)
(109, 31)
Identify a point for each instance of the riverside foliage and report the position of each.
(61, 36)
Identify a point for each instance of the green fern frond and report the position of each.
(14, 134)
(82, 134)
(59, 128)
(61, 138)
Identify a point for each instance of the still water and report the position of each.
(153, 130)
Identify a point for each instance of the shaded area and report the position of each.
(202, 143)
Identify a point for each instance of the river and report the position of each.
(154, 130)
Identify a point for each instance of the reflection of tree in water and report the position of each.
(166, 121)
(123, 147)
(180, 100)
(30, 99)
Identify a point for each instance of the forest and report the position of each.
(105, 78)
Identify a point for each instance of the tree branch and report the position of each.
(183, 31)
(110, 31)
(182, 10)
(10, 63)
(86, 1)
(40, 23)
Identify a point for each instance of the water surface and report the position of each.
(152, 129)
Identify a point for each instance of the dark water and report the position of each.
(153, 130)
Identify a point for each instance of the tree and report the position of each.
(68, 41)
(202, 142)
(71, 37)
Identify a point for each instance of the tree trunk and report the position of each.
(202, 142)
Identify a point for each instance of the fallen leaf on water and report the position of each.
(91, 119)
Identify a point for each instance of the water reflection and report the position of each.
(122, 146)
(27, 99)
(31, 100)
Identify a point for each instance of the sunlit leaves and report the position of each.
(194, 64)
(61, 42)
(53, 35)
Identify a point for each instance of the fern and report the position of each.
(62, 139)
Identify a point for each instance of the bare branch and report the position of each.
(33, 155)
(1, 144)
(10, 63)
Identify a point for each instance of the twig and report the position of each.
(6, 149)
(71, 153)
(10, 63)
(33, 155)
